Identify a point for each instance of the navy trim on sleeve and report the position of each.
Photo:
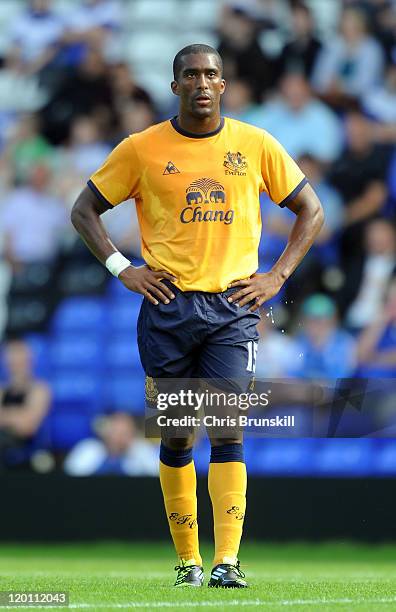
(101, 197)
(293, 193)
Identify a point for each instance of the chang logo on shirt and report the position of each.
(235, 163)
(205, 191)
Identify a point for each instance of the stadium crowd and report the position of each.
(72, 86)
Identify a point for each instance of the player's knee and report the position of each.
(176, 452)
(178, 443)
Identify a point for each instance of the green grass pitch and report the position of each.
(111, 576)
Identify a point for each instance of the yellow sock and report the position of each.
(179, 486)
(227, 489)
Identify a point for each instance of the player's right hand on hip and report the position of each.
(147, 282)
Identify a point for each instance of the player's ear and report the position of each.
(175, 88)
(222, 86)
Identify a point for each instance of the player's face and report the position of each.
(199, 85)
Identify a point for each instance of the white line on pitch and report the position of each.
(218, 603)
(236, 602)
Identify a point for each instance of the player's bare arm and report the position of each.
(262, 287)
(85, 217)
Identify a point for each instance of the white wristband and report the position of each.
(116, 263)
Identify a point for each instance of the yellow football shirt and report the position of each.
(197, 197)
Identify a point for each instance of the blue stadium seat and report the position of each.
(282, 457)
(141, 44)
(42, 439)
(202, 14)
(38, 344)
(125, 392)
(77, 391)
(68, 429)
(122, 315)
(116, 289)
(82, 277)
(345, 457)
(122, 352)
(76, 351)
(279, 457)
(249, 452)
(201, 455)
(3, 369)
(80, 313)
(148, 13)
(385, 458)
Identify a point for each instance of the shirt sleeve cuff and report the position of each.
(99, 195)
(293, 194)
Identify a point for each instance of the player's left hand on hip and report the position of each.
(259, 287)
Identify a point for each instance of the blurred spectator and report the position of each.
(373, 277)
(118, 450)
(79, 158)
(377, 343)
(300, 53)
(32, 221)
(242, 55)
(84, 91)
(24, 403)
(351, 63)
(296, 118)
(86, 150)
(123, 228)
(325, 252)
(19, 92)
(124, 87)
(360, 175)
(36, 33)
(327, 351)
(277, 353)
(333, 208)
(133, 105)
(135, 117)
(380, 101)
(383, 15)
(238, 101)
(91, 24)
(268, 13)
(25, 147)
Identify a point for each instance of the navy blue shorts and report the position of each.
(198, 335)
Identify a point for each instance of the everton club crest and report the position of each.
(235, 163)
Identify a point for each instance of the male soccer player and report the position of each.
(196, 180)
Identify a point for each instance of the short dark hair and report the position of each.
(193, 50)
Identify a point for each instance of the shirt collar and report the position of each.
(183, 132)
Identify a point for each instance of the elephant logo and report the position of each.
(194, 197)
(205, 191)
(235, 163)
(217, 196)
